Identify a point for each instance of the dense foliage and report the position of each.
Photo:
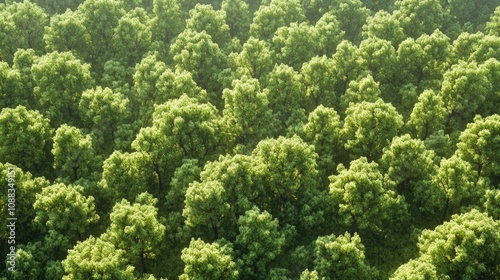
(240, 139)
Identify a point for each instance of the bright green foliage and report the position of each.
(58, 7)
(74, 156)
(208, 261)
(466, 246)
(427, 116)
(259, 242)
(285, 94)
(23, 61)
(328, 34)
(173, 84)
(385, 26)
(369, 127)
(246, 116)
(366, 89)
(205, 18)
(103, 111)
(26, 187)
(132, 37)
(25, 136)
(135, 229)
(318, 76)
(294, 44)
(255, 60)
(237, 18)
(274, 15)
(487, 48)
(196, 53)
(100, 18)
(464, 88)
(323, 131)
(457, 181)
(10, 87)
(379, 58)
(365, 199)
(419, 17)
(479, 145)
(291, 179)
(492, 26)
(95, 258)
(182, 128)
(465, 44)
(117, 77)
(126, 175)
(408, 164)
(345, 66)
(424, 58)
(167, 22)
(351, 15)
(64, 209)
(66, 32)
(207, 208)
(21, 27)
(60, 79)
(492, 203)
(416, 269)
(340, 257)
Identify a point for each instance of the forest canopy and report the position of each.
(241, 139)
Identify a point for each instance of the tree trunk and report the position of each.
(354, 226)
(445, 210)
(143, 262)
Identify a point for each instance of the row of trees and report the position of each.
(235, 139)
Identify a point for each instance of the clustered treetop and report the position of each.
(238, 139)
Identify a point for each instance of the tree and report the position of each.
(64, 209)
(22, 27)
(181, 128)
(23, 61)
(323, 131)
(135, 229)
(345, 66)
(67, 33)
(237, 18)
(478, 144)
(205, 18)
(60, 79)
(351, 15)
(416, 269)
(369, 127)
(379, 58)
(126, 175)
(167, 21)
(255, 60)
(259, 242)
(246, 116)
(95, 258)
(294, 44)
(494, 22)
(74, 156)
(458, 183)
(366, 89)
(103, 111)
(132, 37)
(474, 13)
(424, 58)
(100, 18)
(419, 17)
(365, 199)
(318, 76)
(275, 14)
(424, 121)
(285, 95)
(408, 164)
(466, 246)
(10, 86)
(208, 261)
(385, 26)
(26, 137)
(464, 88)
(328, 34)
(340, 257)
(196, 53)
